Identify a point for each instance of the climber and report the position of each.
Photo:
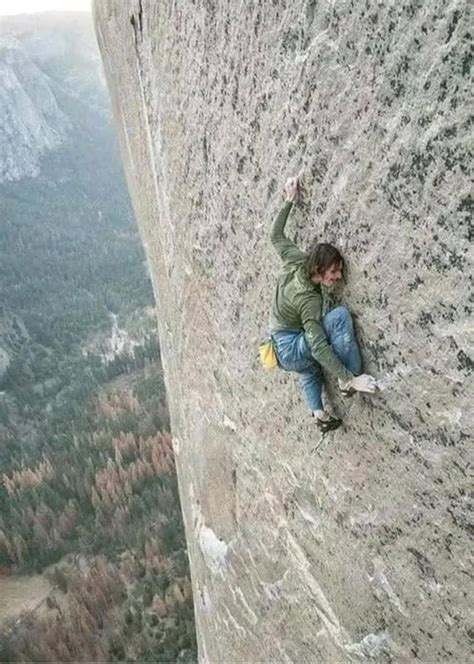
(303, 338)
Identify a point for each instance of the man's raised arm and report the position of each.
(286, 249)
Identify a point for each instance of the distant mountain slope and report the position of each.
(70, 254)
(49, 70)
(82, 401)
(67, 225)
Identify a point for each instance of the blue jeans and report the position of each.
(294, 353)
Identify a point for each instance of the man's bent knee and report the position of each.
(341, 312)
(339, 316)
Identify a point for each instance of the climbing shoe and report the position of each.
(329, 423)
(346, 388)
(348, 393)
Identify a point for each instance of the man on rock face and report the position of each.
(304, 339)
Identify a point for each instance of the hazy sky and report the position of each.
(34, 6)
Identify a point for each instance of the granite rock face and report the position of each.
(357, 547)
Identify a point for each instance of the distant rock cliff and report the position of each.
(357, 548)
(36, 93)
(65, 217)
(12, 335)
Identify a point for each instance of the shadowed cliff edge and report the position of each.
(357, 548)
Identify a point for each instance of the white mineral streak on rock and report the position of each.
(239, 596)
(313, 520)
(385, 584)
(203, 598)
(391, 594)
(372, 646)
(176, 445)
(229, 423)
(234, 624)
(322, 606)
(213, 549)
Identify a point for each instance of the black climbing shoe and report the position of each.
(329, 424)
(348, 393)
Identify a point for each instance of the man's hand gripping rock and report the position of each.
(292, 189)
(363, 383)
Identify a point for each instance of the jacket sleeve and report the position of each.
(286, 249)
(317, 340)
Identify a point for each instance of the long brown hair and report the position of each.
(321, 257)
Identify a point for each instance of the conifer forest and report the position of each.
(90, 521)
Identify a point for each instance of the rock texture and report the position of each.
(355, 548)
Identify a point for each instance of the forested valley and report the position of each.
(88, 493)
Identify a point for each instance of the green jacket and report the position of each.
(298, 302)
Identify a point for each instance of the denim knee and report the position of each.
(341, 312)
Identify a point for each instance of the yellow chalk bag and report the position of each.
(268, 357)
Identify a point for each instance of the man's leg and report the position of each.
(339, 330)
(294, 355)
(311, 384)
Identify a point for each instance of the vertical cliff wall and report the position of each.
(355, 548)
